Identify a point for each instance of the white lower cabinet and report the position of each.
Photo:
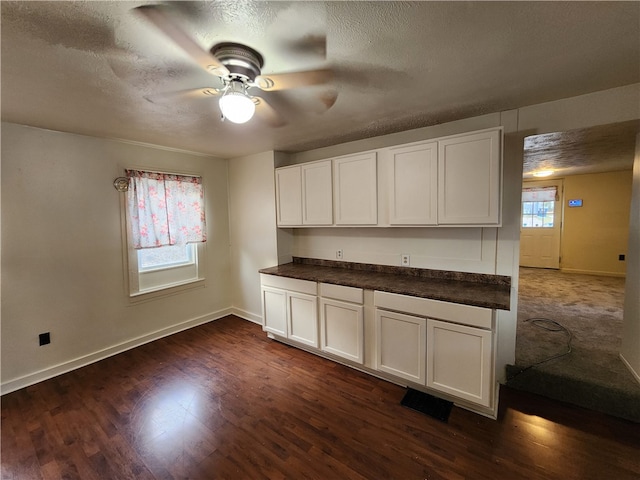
(341, 329)
(302, 318)
(342, 321)
(290, 308)
(401, 345)
(453, 355)
(460, 361)
(274, 310)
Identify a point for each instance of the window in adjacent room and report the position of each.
(166, 231)
(538, 205)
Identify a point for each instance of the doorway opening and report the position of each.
(587, 301)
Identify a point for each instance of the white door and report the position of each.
(469, 172)
(303, 318)
(342, 329)
(459, 361)
(274, 310)
(540, 225)
(317, 196)
(401, 342)
(355, 189)
(413, 188)
(288, 196)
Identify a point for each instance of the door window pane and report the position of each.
(538, 214)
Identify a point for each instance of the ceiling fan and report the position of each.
(239, 68)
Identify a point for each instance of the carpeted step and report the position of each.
(612, 401)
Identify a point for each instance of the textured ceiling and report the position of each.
(605, 148)
(93, 67)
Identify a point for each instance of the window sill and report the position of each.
(165, 290)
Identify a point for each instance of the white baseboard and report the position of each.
(635, 374)
(252, 317)
(592, 272)
(47, 373)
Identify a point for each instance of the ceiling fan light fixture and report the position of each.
(236, 105)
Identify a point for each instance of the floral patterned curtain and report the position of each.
(165, 209)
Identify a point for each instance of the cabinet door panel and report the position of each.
(401, 341)
(288, 196)
(317, 194)
(459, 361)
(303, 318)
(413, 195)
(274, 310)
(469, 179)
(355, 181)
(341, 329)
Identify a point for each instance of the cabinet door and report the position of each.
(303, 318)
(469, 173)
(274, 311)
(342, 329)
(413, 189)
(317, 194)
(288, 196)
(459, 361)
(401, 342)
(355, 181)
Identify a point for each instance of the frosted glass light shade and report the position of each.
(237, 107)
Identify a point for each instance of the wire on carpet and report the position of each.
(551, 326)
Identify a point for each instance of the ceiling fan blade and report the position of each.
(189, 93)
(324, 101)
(285, 81)
(162, 19)
(267, 113)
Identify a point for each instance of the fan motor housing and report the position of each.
(239, 59)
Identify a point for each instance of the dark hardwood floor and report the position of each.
(223, 401)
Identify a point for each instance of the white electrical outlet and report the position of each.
(339, 254)
(405, 260)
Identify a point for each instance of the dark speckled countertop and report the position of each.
(491, 291)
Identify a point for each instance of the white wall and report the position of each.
(599, 108)
(63, 267)
(630, 351)
(253, 235)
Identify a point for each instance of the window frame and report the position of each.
(130, 257)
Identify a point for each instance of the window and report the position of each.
(166, 231)
(538, 207)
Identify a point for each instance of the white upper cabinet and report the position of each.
(413, 183)
(355, 183)
(448, 181)
(317, 195)
(288, 196)
(469, 174)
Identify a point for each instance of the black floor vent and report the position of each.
(427, 404)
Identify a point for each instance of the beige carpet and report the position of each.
(590, 307)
